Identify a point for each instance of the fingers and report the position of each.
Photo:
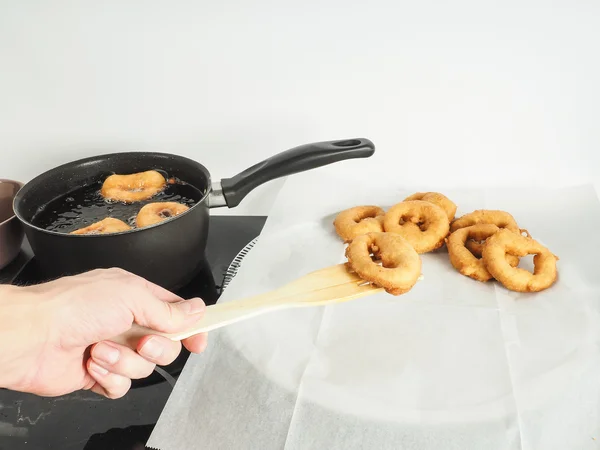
(113, 366)
(167, 317)
(121, 360)
(107, 384)
(197, 343)
(151, 305)
(159, 349)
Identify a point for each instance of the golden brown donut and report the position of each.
(501, 219)
(358, 220)
(133, 187)
(438, 199)
(463, 260)
(400, 264)
(157, 212)
(476, 247)
(104, 226)
(514, 278)
(423, 224)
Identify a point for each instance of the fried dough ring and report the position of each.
(461, 257)
(157, 212)
(476, 247)
(104, 226)
(437, 199)
(401, 264)
(501, 219)
(134, 187)
(515, 278)
(358, 220)
(423, 224)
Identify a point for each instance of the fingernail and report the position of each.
(151, 349)
(192, 306)
(106, 353)
(98, 369)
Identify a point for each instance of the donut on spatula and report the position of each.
(400, 264)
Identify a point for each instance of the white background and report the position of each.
(511, 86)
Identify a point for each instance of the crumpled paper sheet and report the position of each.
(453, 364)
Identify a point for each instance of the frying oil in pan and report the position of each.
(84, 206)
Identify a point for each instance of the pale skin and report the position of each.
(55, 337)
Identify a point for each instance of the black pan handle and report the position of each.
(298, 159)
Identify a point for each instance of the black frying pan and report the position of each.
(171, 252)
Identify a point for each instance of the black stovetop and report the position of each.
(84, 420)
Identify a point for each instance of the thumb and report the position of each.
(168, 317)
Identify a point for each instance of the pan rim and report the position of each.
(19, 195)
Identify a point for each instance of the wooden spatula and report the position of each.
(333, 284)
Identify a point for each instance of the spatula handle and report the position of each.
(324, 286)
(215, 316)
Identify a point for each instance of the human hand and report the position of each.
(54, 336)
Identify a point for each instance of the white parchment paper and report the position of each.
(453, 364)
